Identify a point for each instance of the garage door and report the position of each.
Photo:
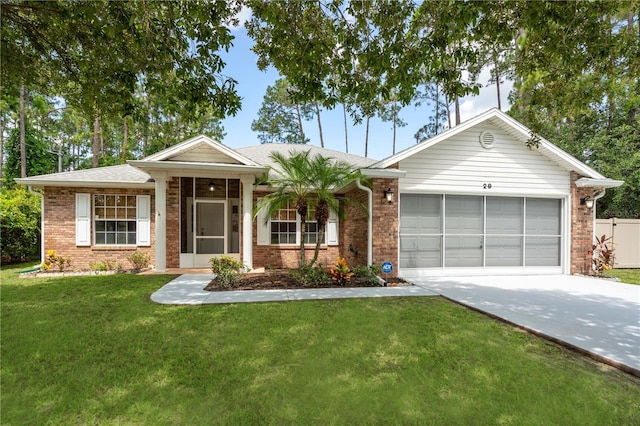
(460, 231)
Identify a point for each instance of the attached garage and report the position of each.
(478, 234)
(482, 198)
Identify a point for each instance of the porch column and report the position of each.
(247, 219)
(161, 221)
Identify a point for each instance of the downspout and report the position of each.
(596, 197)
(370, 222)
(39, 194)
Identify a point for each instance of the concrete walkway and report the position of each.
(188, 290)
(598, 316)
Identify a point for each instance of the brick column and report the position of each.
(581, 229)
(385, 223)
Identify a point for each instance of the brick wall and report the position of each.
(60, 228)
(581, 229)
(385, 224)
(173, 223)
(354, 229)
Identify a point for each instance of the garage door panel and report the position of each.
(542, 251)
(504, 251)
(463, 251)
(505, 215)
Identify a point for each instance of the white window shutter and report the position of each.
(332, 229)
(83, 219)
(263, 233)
(143, 219)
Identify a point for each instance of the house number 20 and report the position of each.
(486, 186)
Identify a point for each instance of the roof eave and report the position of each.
(184, 166)
(598, 183)
(41, 183)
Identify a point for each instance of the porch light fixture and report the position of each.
(587, 201)
(212, 187)
(388, 195)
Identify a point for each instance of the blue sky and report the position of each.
(252, 84)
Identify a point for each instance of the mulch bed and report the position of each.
(281, 279)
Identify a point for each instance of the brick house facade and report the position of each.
(459, 206)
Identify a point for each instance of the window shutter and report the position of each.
(263, 234)
(143, 220)
(83, 219)
(332, 229)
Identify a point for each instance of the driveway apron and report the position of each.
(599, 316)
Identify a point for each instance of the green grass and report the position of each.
(629, 276)
(96, 350)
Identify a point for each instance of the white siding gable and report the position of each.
(204, 153)
(460, 164)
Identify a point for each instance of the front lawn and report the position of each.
(96, 350)
(629, 276)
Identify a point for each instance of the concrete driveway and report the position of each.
(598, 316)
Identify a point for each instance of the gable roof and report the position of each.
(201, 145)
(515, 129)
(261, 153)
(122, 176)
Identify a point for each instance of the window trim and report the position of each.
(115, 220)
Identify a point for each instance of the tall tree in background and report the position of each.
(280, 116)
(95, 52)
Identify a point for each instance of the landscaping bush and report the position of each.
(138, 260)
(603, 256)
(227, 270)
(340, 272)
(368, 273)
(19, 226)
(56, 262)
(311, 275)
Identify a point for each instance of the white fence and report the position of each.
(625, 235)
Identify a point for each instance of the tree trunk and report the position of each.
(395, 122)
(319, 123)
(457, 110)
(96, 140)
(495, 64)
(125, 136)
(448, 110)
(300, 123)
(366, 139)
(346, 135)
(147, 124)
(23, 145)
(2, 126)
(435, 131)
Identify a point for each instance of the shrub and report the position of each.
(19, 226)
(603, 257)
(55, 261)
(311, 275)
(340, 272)
(138, 260)
(106, 265)
(227, 270)
(368, 273)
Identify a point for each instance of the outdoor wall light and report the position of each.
(212, 187)
(388, 195)
(587, 201)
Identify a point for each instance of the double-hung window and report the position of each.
(283, 228)
(115, 219)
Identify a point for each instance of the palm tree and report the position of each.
(292, 187)
(308, 182)
(328, 176)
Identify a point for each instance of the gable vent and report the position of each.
(487, 140)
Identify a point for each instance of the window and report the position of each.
(311, 229)
(115, 219)
(284, 226)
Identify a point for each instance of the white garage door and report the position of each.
(449, 232)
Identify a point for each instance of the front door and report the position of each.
(210, 236)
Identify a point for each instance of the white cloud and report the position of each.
(242, 16)
(471, 106)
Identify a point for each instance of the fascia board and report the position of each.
(598, 183)
(184, 166)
